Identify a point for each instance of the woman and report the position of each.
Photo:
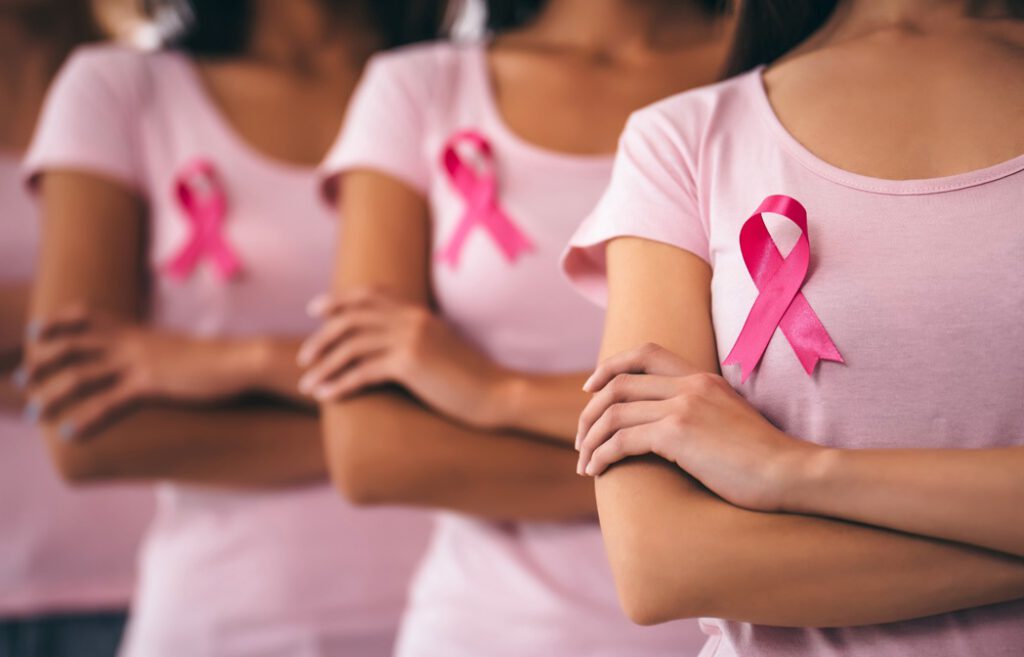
(860, 468)
(463, 171)
(64, 587)
(194, 168)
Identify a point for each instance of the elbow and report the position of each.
(357, 458)
(651, 595)
(660, 575)
(75, 463)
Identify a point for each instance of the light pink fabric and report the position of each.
(60, 550)
(489, 588)
(918, 283)
(231, 573)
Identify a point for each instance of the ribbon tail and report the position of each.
(751, 344)
(807, 335)
(184, 262)
(810, 354)
(452, 251)
(225, 260)
(744, 355)
(510, 239)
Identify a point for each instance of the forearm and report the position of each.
(546, 405)
(973, 496)
(13, 308)
(12, 399)
(239, 445)
(384, 448)
(678, 551)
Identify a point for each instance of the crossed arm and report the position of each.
(385, 446)
(678, 550)
(93, 258)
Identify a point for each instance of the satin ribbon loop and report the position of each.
(203, 200)
(779, 303)
(477, 184)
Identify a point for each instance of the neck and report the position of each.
(306, 35)
(622, 29)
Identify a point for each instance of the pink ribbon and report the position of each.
(779, 302)
(205, 204)
(478, 187)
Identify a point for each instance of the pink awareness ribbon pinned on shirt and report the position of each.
(779, 302)
(204, 202)
(478, 186)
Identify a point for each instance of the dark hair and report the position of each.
(62, 23)
(768, 29)
(221, 27)
(505, 15)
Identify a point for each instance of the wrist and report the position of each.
(804, 475)
(246, 362)
(502, 401)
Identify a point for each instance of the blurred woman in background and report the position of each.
(67, 559)
(463, 170)
(182, 238)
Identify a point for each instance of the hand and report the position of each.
(84, 366)
(648, 400)
(370, 338)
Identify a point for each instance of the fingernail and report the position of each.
(32, 410)
(20, 378)
(588, 383)
(67, 431)
(305, 384)
(32, 329)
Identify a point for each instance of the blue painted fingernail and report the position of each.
(67, 431)
(33, 329)
(32, 410)
(20, 378)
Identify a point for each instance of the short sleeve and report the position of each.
(384, 125)
(89, 117)
(652, 195)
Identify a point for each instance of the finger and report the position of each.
(624, 388)
(616, 418)
(368, 373)
(336, 329)
(71, 385)
(98, 410)
(633, 441)
(325, 305)
(47, 358)
(75, 317)
(344, 355)
(647, 359)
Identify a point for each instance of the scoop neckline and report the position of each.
(492, 114)
(198, 89)
(917, 186)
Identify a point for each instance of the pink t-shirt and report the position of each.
(231, 573)
(55, 554)
(917, 282)
(498, 588)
